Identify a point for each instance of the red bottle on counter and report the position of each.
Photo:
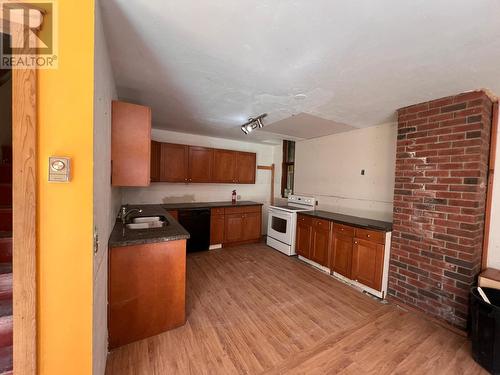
(233, 197)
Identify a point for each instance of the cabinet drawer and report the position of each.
(370, 235)
(307, 220)
(321, 224)
(346, 230)
(217, 211)
(241, 210)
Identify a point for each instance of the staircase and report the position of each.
(6, 264)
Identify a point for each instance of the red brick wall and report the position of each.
(439, 203)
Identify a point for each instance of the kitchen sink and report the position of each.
(147, 222)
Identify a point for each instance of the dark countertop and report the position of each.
(350, 220)
(121, 236)
(178, 206)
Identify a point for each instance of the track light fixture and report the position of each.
(253, 123)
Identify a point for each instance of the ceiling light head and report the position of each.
(253, 123)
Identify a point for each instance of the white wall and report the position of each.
(106, 199)
(178, 192)
(329, 168)
(494, 241)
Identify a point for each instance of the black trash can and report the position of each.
(485, 329)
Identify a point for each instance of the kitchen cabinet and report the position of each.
(200, 164)
(355, 253)
(184, 163)
(342, 254)
(155, 161)
(174, 162)
(130, 144)
(321, 239)
(224, 170)
(217, 221)
(147, 290)
(246, 164)
(242, 225)
(304, 236)
(252, 226)
(367, 263)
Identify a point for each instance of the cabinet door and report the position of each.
(200, 164)
(224, 169)
(216, 229)
(233, 228)
(304, 237)
(368, 263)
(342, 254)
(130, 144)
(245, 167)
(155, 161)
(174, 163)
(252, 226)
(321, 242)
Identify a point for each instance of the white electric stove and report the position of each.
(282, 223)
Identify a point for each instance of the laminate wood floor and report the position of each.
(252, 310)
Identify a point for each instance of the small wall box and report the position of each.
(59, 169)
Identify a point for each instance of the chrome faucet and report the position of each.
(125, 212)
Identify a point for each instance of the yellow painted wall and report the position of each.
(65, 122)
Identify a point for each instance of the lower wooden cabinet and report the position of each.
(321, 237)
(367, 263)
(234, 225)
(146, 290)
(355, 253)
(342, 254)
(216, 228)
(304, 236)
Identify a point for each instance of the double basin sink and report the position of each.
(147, 222)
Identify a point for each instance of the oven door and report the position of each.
(279, 226)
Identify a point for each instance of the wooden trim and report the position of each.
(24, 133)
(489, 188)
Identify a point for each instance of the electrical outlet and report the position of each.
(362, 172)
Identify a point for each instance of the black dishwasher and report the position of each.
(197, 222)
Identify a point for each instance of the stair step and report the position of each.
(5, 331)
(5, 286)
(5, 194)
(6, 219)
(6, 307)
(5, 250)
(5, 268)
(6, 173)
(7, 153)
(6, 360)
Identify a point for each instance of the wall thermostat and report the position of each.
(59, 169)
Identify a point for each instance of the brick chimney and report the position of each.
(439, 203)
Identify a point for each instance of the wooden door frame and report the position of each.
(24, 204)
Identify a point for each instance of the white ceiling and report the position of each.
(206, 66)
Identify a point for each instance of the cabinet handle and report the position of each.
(368, 235)
(341, 228)
(355, 242)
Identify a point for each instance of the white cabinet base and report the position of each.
(314, 264)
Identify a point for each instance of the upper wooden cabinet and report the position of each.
(174, 162)
(130, 144)
(246, 164)
(224, 170)
(155, 161)
(200, 164)
(182, 163)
